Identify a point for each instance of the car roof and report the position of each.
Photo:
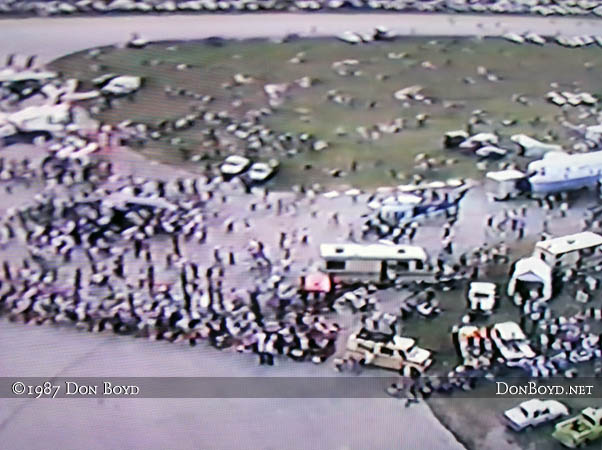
(509, 330)
(260, 165)
(403, 343)
(373, 336)
(482, 286)
(469, 331)
(398, 342)
(533, 403)
(565, 244)
(236, 159)
(371, 251)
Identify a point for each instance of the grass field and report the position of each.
(528, 70)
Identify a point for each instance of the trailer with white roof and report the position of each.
(568, 250)
(376, 262)
(507, 183)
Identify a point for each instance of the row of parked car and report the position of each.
(503, 342)
(253, 173)
(577, 431)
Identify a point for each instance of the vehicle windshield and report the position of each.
(373, 336)
(412, 351)
(589, 420)
(515, 346)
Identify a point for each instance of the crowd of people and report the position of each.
(91, 263)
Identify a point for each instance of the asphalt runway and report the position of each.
(50, 38)
(337, 424)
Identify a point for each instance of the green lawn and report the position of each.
(526, 69)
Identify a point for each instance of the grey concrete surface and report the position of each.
(53, 37)
(188, 423)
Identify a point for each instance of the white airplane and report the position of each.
(39, 118)
(10, 75)
(559, 171)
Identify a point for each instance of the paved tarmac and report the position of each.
(188, 423)
(51, 38)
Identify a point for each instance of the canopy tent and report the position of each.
(316, 282)
(531, 270)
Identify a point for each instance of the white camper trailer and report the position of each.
(377, 262)
(507, 183)
(568, 250)
(558, 171)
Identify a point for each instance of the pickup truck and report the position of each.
(581, 429)
(389, 352)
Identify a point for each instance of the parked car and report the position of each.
(122, 85)
(389, 352)
(137, 42)
(511, 343)
(580, 430)
(491, 152)
(350, 37)
(532, 413)
(481, 297)
(382, 33)
(234, 165)
(261, 172)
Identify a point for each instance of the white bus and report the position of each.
(378, 262)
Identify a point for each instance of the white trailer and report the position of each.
(568, 250)
(507, 182)
(377, 262)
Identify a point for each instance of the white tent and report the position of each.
(532, 270)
